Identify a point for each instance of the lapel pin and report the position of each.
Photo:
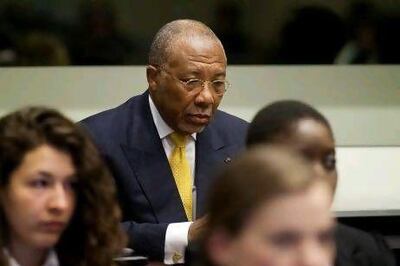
(227, 160)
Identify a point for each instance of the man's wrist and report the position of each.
(176, 241)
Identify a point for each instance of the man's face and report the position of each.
(314, 141)
(186, 111)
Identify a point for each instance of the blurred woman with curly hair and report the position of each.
(57, 200)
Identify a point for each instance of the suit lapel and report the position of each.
(148, 161)
(209, 154)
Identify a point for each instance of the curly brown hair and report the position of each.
(93, 236)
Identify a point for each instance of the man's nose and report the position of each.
(206, 95)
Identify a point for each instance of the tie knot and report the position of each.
(178, 139)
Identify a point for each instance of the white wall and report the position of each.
(362, 103)
(369, 181)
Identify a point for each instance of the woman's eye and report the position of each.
(284, 240)
(39, 183)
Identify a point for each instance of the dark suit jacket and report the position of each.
(128, 140)
(358, 248)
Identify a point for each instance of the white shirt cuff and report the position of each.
(176, 240)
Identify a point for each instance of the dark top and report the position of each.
(359, 248)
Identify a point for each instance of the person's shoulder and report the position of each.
(354, 235)
(229, 125)
(109, 115)
(229, 128)
(112, 121)
(354, 243)
(113, 115)
(225, 120)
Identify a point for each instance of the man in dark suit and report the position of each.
(187, 80)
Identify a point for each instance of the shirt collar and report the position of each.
(162, 127)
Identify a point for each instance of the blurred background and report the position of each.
(101, 32)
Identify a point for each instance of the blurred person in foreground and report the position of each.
(302, 128)
(269, 208)
(57, 199)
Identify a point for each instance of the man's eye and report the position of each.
(330, 162)
(218, 84)
(194, 83)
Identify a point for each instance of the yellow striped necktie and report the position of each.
(181, 171)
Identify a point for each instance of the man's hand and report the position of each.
(197, 228)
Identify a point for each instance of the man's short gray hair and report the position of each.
(176, 30)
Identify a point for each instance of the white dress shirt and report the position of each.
(51, 259)
(176, 237)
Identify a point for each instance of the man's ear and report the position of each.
(152, 75)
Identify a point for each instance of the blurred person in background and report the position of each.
(98, 40)
(304, 129)
(313, 35)
(42, 49)
(362, 47)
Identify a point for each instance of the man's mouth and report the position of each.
(199, 118)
